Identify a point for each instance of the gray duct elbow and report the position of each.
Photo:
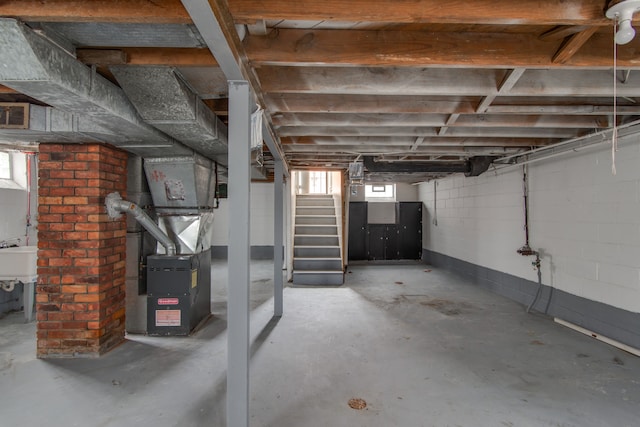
(115, 205)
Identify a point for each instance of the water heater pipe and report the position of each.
(115, 205)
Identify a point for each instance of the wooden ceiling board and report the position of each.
(114, 11)
(522, 12)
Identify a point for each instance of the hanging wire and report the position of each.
(614, 133)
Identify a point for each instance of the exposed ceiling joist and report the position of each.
(408, 141)
(571, 46)
(417, 143)
(563, 109)
(440, 120)
(423, 48)
(523, 12)
(119, 11)
(217, 27)
(450, 121)
(562, 31)
(426, 131)
(459, 150)
(330, 103)
(399, 79)
(175, 57)
(366, 104)
(5, 89)
(506, 85)
(448, 82)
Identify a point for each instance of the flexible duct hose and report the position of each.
(115, 205)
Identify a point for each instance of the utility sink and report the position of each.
(19, 263)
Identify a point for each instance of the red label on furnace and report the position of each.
(168, 301)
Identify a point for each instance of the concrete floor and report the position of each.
(421, 347)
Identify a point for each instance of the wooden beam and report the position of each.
(174, 57)
(232, 49)
(178, 57)
(563, 109)
(312, 103)
(419, 140)
(380, 81)
(522, 12)
(441, 120)
(120, 11)
(366, 149)
(319, 103)
(572, 45)
(446, 82)
(220, 106)
(421, 49)
(7, 90)
(506, 85)
(410, 141)
(450, 121)
(562, 31)
(101, 56)
(426, 131)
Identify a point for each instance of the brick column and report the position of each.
(80, 298)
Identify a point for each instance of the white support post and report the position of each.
(239, 248)
(278, 219)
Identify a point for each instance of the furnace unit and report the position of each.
(178, 292)
(179, 274)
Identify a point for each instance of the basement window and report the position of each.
(380, 192)
(12, 167)
(5, 165)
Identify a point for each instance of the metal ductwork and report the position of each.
(47, 124)
(38, 68)
(472, 167)
(115, 206)
(164, 101)
(183, 191)
(479, 165)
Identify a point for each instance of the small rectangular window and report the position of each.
(5, 165)
(380, 192)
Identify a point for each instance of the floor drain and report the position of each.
(358, 404)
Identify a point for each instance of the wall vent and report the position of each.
(14, 115)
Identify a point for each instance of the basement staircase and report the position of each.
(316, 246)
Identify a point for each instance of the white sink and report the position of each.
(19, 263)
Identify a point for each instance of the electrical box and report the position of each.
(178, 292)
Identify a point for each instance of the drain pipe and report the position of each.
(8, 285)
(115, 206)
(526, 249)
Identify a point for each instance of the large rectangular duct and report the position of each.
(47, 124)
(167, 103)
(183, 191)
(38, 68)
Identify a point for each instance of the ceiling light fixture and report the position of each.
(622, 12)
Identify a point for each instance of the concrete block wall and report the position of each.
(80, 297)
(584, 221)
